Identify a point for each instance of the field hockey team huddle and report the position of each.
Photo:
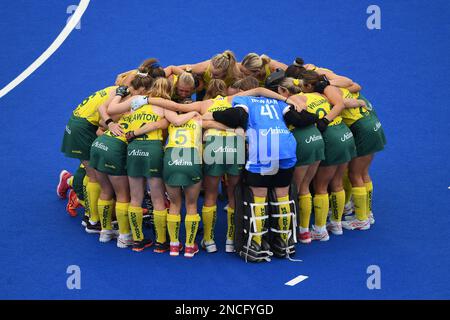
(258, 123)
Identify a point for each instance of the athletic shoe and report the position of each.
(209, 246)
(175, 248)
(108, 235)
(93, 228)
(190, 251)
(229, 246)
(161, 247)
(304, 237)
(124, 241)
(371, 218)
(139, 246)
(72, 204)
(356, 224)
(349, 208)
(335, 227)
(85, 221)
(61, 189)
(319, 235)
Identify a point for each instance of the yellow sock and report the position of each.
(347, 187)
(105, 209)
(122, 217)
(86, 198)
(284, 223)
(321, 207)
(337, 201)
(191, 222)
(160, 221)
(70, 181)
(305, 203)
(369, 190)
(230, 223)
(173, 225)
(209, 215)
(360, 201)
(93, 193)
(135, 220)
(260, 210)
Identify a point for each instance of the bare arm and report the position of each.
(173, 106)
(353, 103)
(118, 107)
(274, 64)
(211, 124)
(334, 95)
(170, 70)
(179, 119)
(354, 88)
(151, 126)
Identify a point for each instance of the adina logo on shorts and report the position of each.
(377, 126)
(276, 130)
(225, 149)
(138, 153)
(347, 136)
(180, 162)
(313, 138)
(100, 145)
(68, 130)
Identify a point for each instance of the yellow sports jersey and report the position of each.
(351, 115)
(188, 135)
(141, 117)
(88, 109)
(125, 124)
(319, 105)
(219, 104)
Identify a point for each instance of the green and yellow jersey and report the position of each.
(319, 105)
(351, 115)
(88, 109)
(219, 104)
(188, 135)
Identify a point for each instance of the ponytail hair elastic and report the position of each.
(296, 82)
(142, 74)
(155, 65)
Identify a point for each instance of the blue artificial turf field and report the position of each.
(403, 69)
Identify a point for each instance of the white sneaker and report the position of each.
(356, 224)
(209, 246)
(229, 246)
(371, 218)
(349, 208)
(108, 235)
(335, 227)
(124, 240)
(319, 235)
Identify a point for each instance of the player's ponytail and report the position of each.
(161, 88)
(296, 69)
(290, 85)
(226, 62)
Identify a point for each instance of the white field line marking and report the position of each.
(296, 280)
(50, 50)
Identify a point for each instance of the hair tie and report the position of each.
(296, 82)
(155, 65)
(141, 74)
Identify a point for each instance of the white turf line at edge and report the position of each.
(296, 280)
(50, 50)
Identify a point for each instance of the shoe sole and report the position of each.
(230, 249)
(305, 241)
(190, 255)
(210, 249)
(92, 231)
(142, 249)
(160, 250)
(63, 172)
(174, 254)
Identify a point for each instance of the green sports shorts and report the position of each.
(369, 135)
(182, 167)
(78, 137)
(310, 145)
(145, 158)
(339, 145)
(109, 155)
(223, 155)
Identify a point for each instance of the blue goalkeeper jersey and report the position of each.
(270, 143)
